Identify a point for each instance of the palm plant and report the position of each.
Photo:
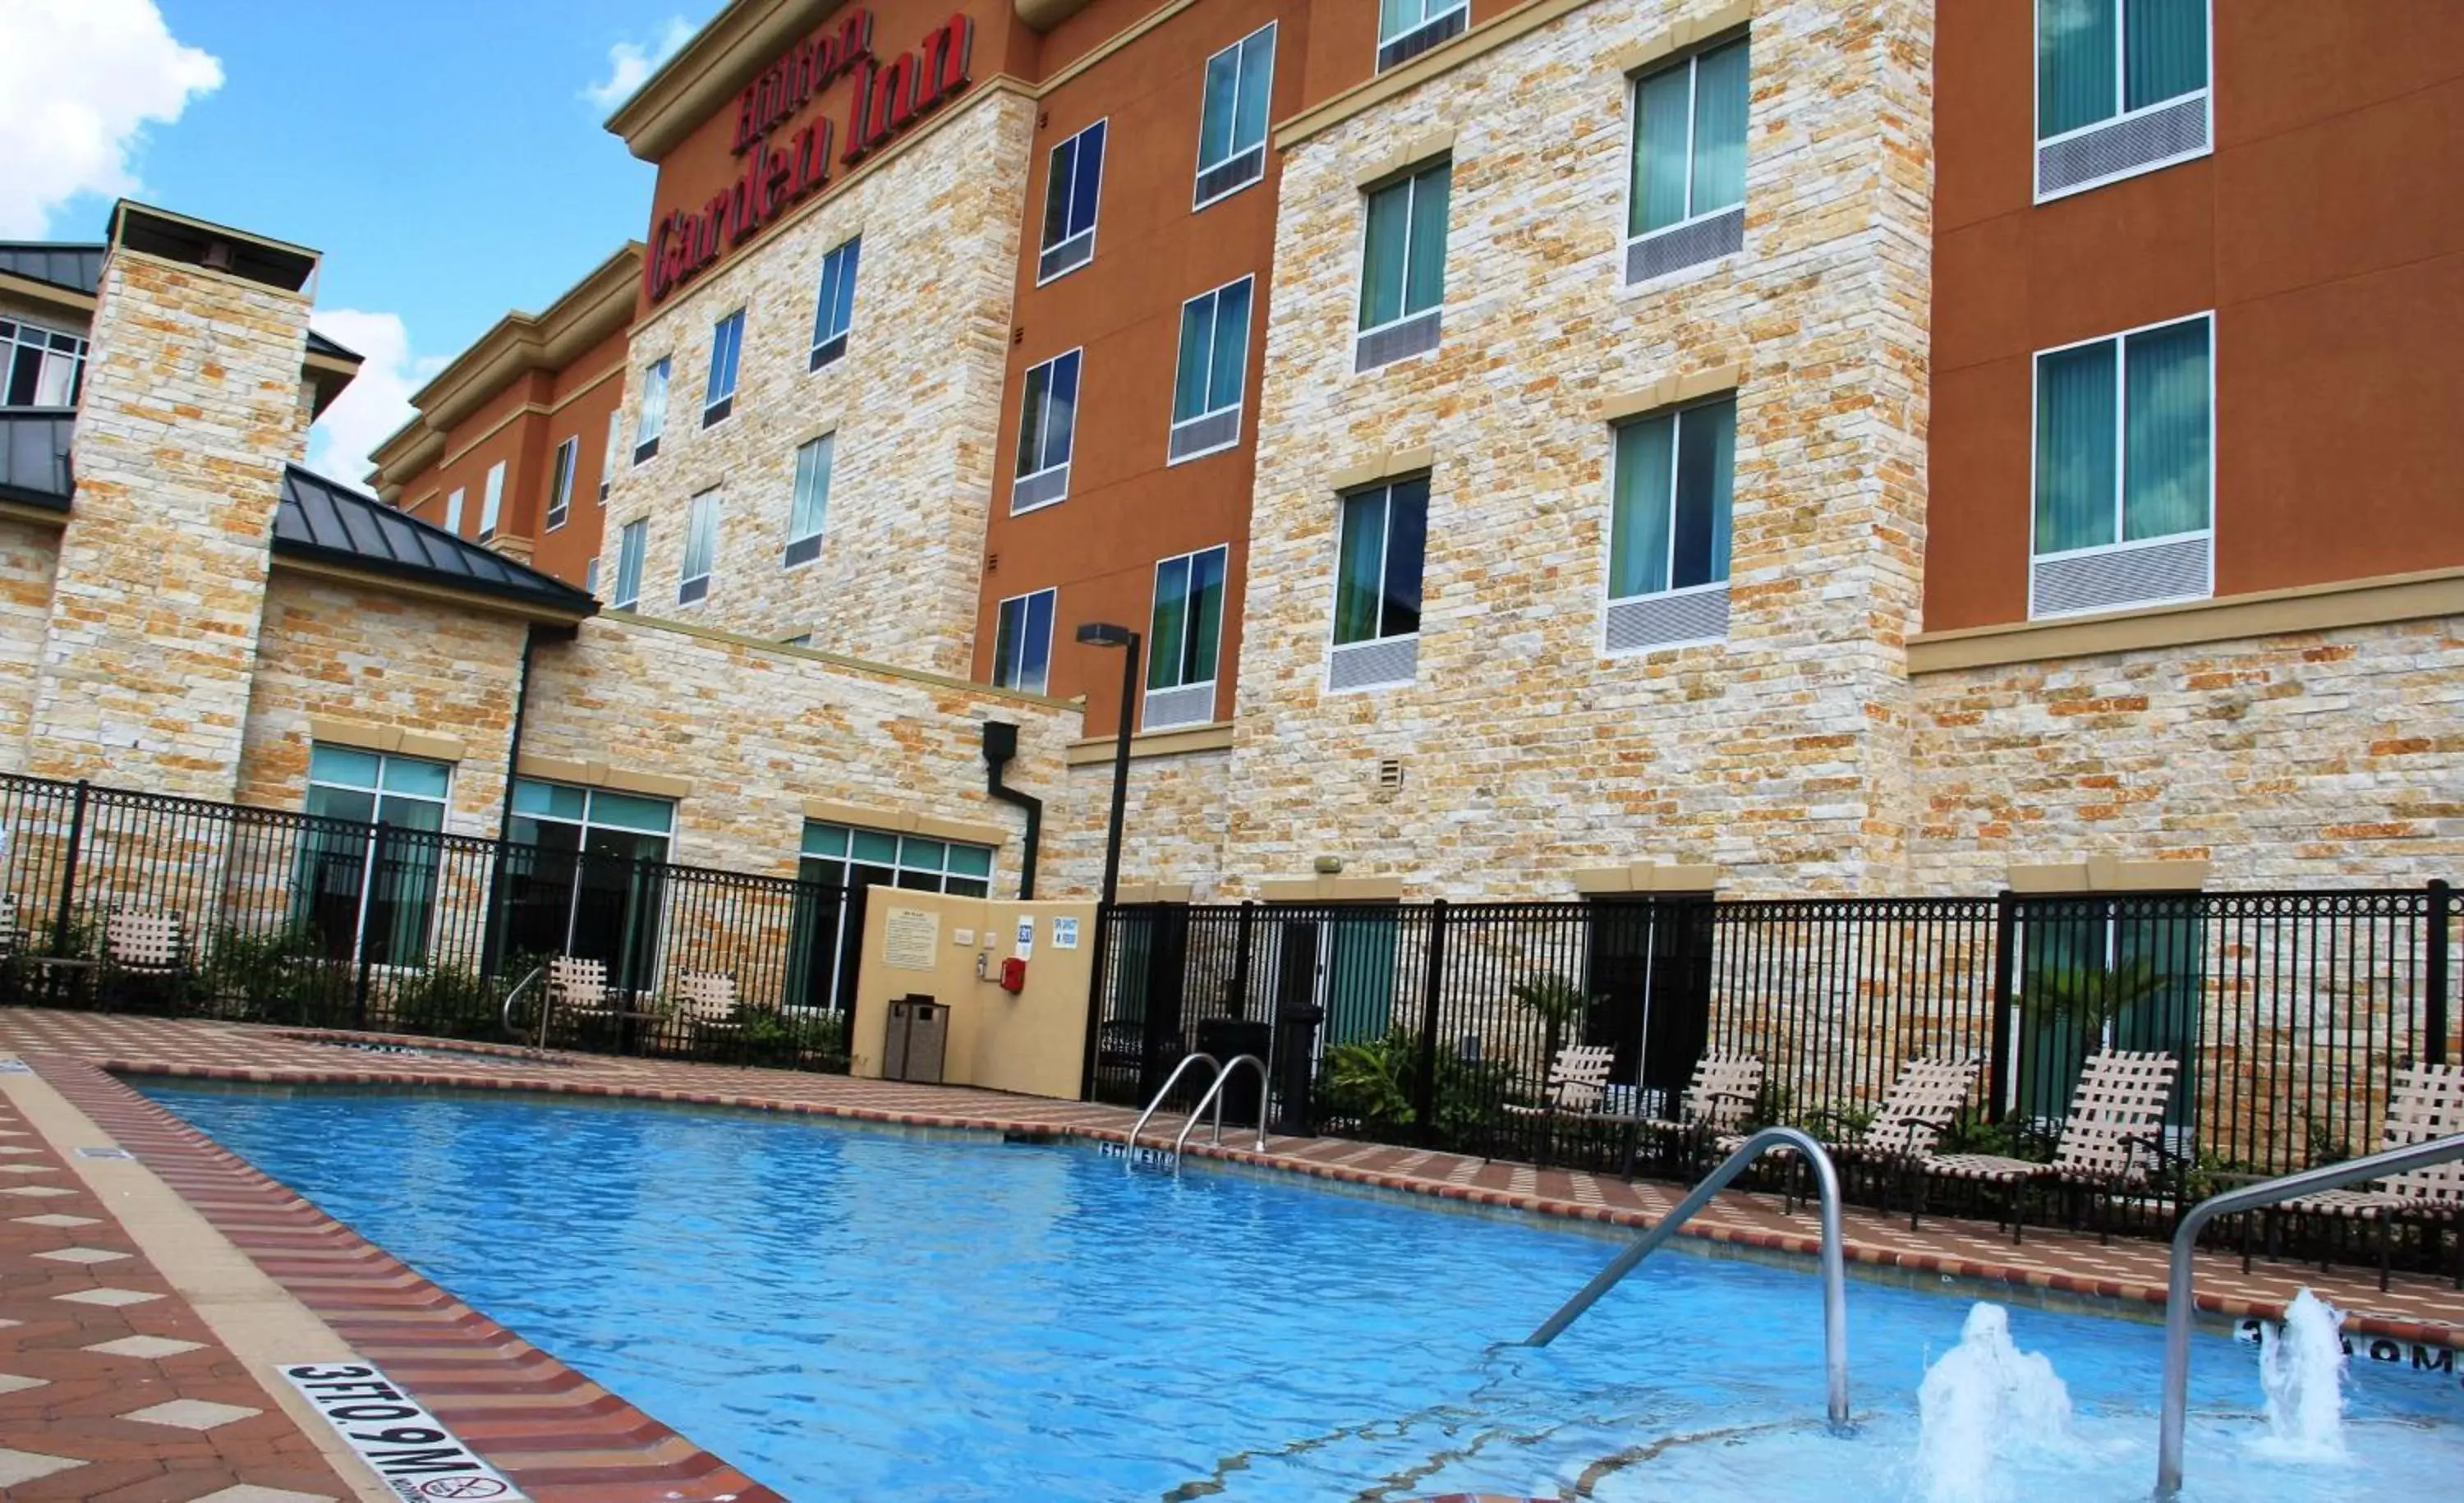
(1556, 1002)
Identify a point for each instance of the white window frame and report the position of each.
(31, 333)
(1148, 693)
(1385, 553)
(590, 577)
(1360, 258)
(491, 502)
(1077, 401)
(701, 534)
(453, 511)
(560, 499)
(1241, 388)
(2121, 469)
(823, 354)
(1202, 200)
(379, 794)
(633, 546)
(1053, 634)
(1429, 18)
(650, 421)
(726, 335)
(1608, 534)
(608, 461)
(2206, 93)
(1045, 244)
(821, 521)
(1691, 62)
(896, 866)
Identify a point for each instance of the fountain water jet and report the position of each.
(2301, 1370)
(1982, 1401)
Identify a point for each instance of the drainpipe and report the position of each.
(1001, 745)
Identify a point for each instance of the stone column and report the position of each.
(190, 414)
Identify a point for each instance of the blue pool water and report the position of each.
(856, 1314)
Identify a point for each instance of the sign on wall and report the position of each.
(785, 164)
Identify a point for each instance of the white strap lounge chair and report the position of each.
(2113, 1138)
(2426, 1102)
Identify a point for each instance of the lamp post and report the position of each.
(1103, 633)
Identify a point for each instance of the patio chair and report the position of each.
(706, 1002)
(1714, 1105)
(577, 989)
(12, 937)
(2426, 1103)
(1900, 1136)
(1577, 1077)
(2113, 1138)
(142, 947)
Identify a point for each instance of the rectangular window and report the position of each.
(1022, 644)
(1685, 201)
(453, 512)
(1184, 639)
(1070, 189)
(630, 545)
(1379, 554)
(653, 418)
(2121, 88)
(39, 366)
(810, 502)
(342, 896)
(615, 451)
(841, 857)
(2123, 476)
(726, 345)
(1214, 363)
(581, 879)
(1232, 116)
(1404, 268)
(1669, 527)
(701, 548)
(834, 307)
(590, 577)
(491, 502)
(559, 496)
(1047, 425)
(1408, 28)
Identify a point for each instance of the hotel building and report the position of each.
(1550, 449)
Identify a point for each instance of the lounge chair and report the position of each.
(142, 946)
(1577, 1077)
(706, 1002)
(2113, 1138)
(2427, 1102)
(577, 989)
(1715, 1104)
(1900, 1136)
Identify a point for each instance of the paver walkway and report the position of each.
(565, 1439)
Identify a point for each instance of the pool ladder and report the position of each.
(1214, 1095)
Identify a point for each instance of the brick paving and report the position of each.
(566, 1439)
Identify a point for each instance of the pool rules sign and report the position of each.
(410, 1448)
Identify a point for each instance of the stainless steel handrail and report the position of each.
(1834, 1261)
(1170, 1081)
(1215, 1093)
(2249, 1198)
(516, 995)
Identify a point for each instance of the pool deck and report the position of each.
(179, 1276)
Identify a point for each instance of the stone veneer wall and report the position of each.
(190, 410)
(30, 553)
(1782, 754)
(758, 730)
(916, 402)
(380, 660)
(1173, 824)
(2313, 760)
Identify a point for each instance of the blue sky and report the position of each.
(446, 155)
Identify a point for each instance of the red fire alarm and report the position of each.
(1012, 975)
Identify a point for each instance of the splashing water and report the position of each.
(1982, 1403)
(2302, 1369)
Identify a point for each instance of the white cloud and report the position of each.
(630, 64)
(377, 399)
(84, 78)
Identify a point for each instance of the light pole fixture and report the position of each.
(1103, 633)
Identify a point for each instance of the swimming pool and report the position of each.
(862, 1313)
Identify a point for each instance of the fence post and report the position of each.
(2442, 907)
(1424, 1089)
(69, 871)
(2006, 964)
(1243, 936)
(367, 906)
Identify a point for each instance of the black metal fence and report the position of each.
(292, 918)
(1433, 1024)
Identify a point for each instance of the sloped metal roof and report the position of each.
(320, 344)
(324, 519)
(34, 457)
(76, 266)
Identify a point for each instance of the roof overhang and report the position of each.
(317, 564)
(690, 86)
(51, 294)
(200, 242)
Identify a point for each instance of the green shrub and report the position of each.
(278, 977)
(1368, 1088)
(799, 1040)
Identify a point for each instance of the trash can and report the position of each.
(1227, 1039)
(915, 1040)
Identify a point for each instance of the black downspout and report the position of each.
(494, 939)
(1001, 744)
